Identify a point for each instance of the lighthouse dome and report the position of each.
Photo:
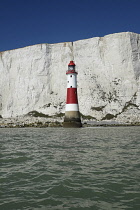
(71, 67)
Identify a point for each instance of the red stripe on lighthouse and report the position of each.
(72, 96)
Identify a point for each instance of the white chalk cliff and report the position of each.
(33, 78)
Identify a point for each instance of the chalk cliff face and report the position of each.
(33, 78)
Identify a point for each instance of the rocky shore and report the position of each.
(28, 121)
(40, 122)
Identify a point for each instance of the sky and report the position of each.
(30, 22)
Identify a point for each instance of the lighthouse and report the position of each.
(72, 115)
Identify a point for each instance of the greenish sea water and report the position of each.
(57, 168)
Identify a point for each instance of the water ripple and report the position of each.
(56, 168)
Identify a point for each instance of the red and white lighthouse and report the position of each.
(72, 115)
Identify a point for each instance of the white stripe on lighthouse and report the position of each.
(72, 81)
(72, 107)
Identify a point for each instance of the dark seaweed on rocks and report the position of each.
(37, 114)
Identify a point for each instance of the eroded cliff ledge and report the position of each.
(33, 78)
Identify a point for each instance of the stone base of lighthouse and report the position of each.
(72, 119)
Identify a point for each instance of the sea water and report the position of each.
(57, 168)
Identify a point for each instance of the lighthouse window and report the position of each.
(70, 75)
(71, 86)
